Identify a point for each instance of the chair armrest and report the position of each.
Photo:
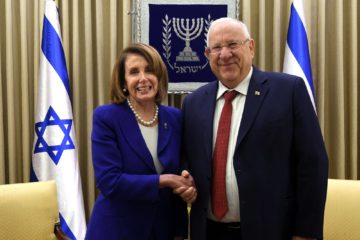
(60, 235)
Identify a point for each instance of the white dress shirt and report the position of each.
(232, 193)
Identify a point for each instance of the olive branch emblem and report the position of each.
(167, 39)
(208, 21)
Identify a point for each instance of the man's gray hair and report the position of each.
(228, 20)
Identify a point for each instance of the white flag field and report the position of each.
(55, 155)
(297, 57)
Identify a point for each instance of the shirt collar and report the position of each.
(242, 87)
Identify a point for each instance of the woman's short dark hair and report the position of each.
(155, 62)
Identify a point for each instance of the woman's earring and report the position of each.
(124, 90)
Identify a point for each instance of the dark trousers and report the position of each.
(222, 231)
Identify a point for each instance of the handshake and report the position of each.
(182, 185)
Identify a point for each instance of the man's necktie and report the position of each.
(219, 199)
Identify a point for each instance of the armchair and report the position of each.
(29, 211)
(342, 210)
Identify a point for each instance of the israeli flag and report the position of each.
(297, 57)
(55, 154)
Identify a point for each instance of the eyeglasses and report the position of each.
(232, 46)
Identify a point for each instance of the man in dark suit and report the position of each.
(275, 168)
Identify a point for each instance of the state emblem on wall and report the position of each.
(178, 30)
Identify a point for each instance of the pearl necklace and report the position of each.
(142, 121)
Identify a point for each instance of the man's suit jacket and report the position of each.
(131, 205)
(280, 160)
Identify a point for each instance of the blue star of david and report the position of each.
(54, 151)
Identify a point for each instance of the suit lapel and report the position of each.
(132, 134)
(208, 109)
(165, 133)
(255, 96)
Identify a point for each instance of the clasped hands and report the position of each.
(183, 185)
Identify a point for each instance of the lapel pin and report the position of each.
(257, 93)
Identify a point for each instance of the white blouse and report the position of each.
(150, 135)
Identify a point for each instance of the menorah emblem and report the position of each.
(187, 33)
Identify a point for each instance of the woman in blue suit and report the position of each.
(136, 155)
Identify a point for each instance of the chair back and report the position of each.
(342, 210)
(28, 210)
